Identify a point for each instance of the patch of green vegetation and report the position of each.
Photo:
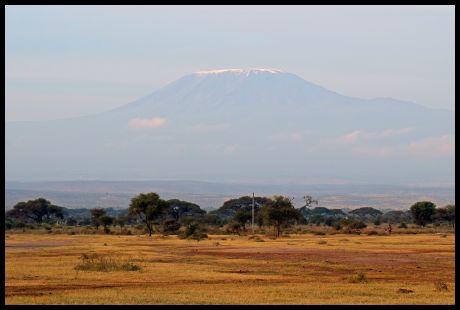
(95, 262)
(358, 278)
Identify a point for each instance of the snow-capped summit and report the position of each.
(239, 71)
(226, 123)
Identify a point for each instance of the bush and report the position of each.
(402, 225)
(337, 226)
(195, 231)
(352, 231)
(125, 231)
(170, 227)
(329, 221)
(357, 225)
(256, 239)
(95, 262)
(372, 233)
(11, 224)
(233, 228)
(441, 286)
(46, 226)
(359, 278)
(318, 233)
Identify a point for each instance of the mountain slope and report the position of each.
(227, 124)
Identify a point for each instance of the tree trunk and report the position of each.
(150, 230)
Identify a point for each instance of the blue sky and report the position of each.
(64, 61)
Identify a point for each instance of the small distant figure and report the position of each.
(389, 228)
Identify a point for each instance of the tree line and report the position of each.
(169, 216)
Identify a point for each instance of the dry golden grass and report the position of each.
(40, 269)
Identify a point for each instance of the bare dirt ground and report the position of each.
(301, 269)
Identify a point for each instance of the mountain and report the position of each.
(240, 124)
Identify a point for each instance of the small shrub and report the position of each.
(130, 267)
(170, 227)
(96, 262)
(359, 278)
(405, 291)
(352, 231)
(256, 238)
(402, 225)
(46, 226)
(194, 231)
(125, 231)
(357, 225)
(372, 233)
(318, 233)
(441, 286)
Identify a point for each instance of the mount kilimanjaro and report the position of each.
(240, 124)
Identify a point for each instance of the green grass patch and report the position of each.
(95, 262)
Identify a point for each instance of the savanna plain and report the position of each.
(230, 269)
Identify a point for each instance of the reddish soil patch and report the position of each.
(38, 244)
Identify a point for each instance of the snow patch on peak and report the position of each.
(238, 71)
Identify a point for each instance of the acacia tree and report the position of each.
(96, 214)
(309, 201)
(241, 217)
(106, 221)
(446, 213)
(121, 220)
(149, 207)
(422, 212)
(278, 212)
(36, 210)
(450, 210)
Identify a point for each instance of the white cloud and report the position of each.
(351, 137)
(139, 123)
(443, 146)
